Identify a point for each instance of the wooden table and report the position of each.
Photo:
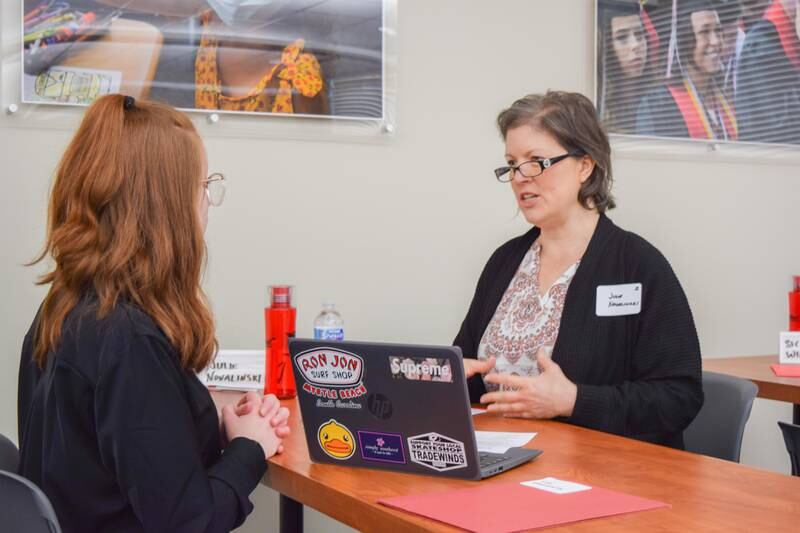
(706, 494)
(756, 369)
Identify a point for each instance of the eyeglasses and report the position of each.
(215, 189)
(532, 168)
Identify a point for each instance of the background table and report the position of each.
(706, 494)
(756, 369)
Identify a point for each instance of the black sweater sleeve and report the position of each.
(146, 436)
(468, 337)
(663, 390)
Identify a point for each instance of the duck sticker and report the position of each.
(336, 440)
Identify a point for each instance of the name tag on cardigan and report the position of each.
(619, 300)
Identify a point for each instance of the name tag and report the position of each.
(619, 300)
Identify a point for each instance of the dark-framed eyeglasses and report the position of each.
(530, 169)
(215, 188)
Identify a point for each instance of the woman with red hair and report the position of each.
(114, 425)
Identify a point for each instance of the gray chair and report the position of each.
(24, 507)
(791, 435)
(9, 455)
(718, 428)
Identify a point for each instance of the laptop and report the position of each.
(391, 407)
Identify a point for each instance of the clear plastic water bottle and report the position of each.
(328, 325)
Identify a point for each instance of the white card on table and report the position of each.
(556, 486)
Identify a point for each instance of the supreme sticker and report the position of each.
(421, 369)
(437, 452)
(383, 447)
(332, 374)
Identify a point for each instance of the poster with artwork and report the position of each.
(713, 70)
(321, 58)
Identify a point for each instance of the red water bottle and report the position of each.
(279, 322)
(794, 306)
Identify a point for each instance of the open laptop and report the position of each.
(393, 407)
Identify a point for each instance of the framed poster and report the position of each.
(710, 70)
(312, 58)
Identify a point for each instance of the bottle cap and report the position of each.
(280, 295)
(796, 283)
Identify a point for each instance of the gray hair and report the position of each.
(572, 120)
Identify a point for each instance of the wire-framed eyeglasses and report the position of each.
(215, 189)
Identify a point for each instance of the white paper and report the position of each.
(619, 300)
(790, 348)
(477, 411)
(235, 370)
(500, 441)
(70, 85)
(556, 486)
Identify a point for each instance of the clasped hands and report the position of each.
(548, 395)
(257, 417)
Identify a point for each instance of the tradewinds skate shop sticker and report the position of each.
(332, 374)
(336, 440)
(383, 447)
(421, 368)
(437, 452)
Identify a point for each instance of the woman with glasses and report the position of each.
(578, 319)
(114, 425)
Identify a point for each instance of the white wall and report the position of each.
(397, 232)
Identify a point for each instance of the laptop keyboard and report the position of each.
(488, 459)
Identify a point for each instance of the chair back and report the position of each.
(9, 455)
(24, 506)
(718, 428)
(791, 434)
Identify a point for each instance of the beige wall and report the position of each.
(397, 231)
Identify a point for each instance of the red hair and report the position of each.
(123, 222)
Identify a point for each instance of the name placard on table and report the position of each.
(790, 348)
(235, 370)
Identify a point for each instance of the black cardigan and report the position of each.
(637, 375)
(121, 438)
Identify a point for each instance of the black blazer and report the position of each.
(121, 438)
(637, 375)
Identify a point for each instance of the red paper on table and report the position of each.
(509, 507)
(786, 371)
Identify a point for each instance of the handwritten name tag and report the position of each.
(619, 300)
(235, 370)
(790, 347)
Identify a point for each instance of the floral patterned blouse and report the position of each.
(525, 321)
(298, 72)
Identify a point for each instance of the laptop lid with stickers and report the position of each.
(386, 406)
